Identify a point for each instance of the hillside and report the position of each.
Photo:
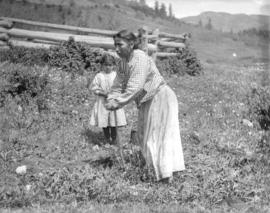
(52, 160)
(226, 22)
(96, 14)
(211, 45)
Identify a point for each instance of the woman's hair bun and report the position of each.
(125, 34)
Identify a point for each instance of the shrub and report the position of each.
(70, 56)
(75, 57)
(263, 147)
(171, 66)
(26, 56)
(185, 62)
(258, 102)
(24, 84)
(78, 57)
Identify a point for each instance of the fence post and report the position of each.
(143, 39)
(4, 37)
(146, 40)
(154, 54)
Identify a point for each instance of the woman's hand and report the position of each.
(101, 93)
(112, 105)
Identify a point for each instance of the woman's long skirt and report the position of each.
(159, 134)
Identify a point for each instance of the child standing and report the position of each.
(100, 116)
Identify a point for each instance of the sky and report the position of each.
(184, 8)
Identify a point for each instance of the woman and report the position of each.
(138, 79)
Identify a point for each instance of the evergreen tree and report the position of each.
(170, 11)
(156, 7)
(200, 23)
(142, 2)
(162, 11)
(209, 25)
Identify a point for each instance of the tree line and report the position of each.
(208, 25)
(160, 9)
(262, 33)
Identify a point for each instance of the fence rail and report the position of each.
(61, 27)
(155, 40)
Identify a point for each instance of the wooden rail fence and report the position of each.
(155, 43)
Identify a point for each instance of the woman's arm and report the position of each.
(116, 88)
(101, 93)
(138, 74)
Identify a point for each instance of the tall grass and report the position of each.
(225, 164)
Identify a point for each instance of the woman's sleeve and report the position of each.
(116, 88)
(138, 74)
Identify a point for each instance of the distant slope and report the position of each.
(212, 46)
(230, 22)
(102, 14)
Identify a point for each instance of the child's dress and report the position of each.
(100, 116)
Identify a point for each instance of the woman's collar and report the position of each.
(129, 58)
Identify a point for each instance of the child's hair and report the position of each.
(106, 60)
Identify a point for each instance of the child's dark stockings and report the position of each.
(110, 134)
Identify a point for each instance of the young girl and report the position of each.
(100, 116)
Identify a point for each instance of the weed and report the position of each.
(258, 101)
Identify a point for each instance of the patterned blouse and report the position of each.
(137, 79)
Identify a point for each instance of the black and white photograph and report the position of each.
(134, 106)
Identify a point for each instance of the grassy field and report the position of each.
(226, 150)
(225, 171)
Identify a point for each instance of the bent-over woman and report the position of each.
(139, 80)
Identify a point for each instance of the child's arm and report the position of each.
(95, 87)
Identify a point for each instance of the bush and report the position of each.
(24, 84)
(259, 106)
(70, 56)
(258, 101)
(263, 147)
(171, 66)
(77, 57)
(26, 56)
(185, 62)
